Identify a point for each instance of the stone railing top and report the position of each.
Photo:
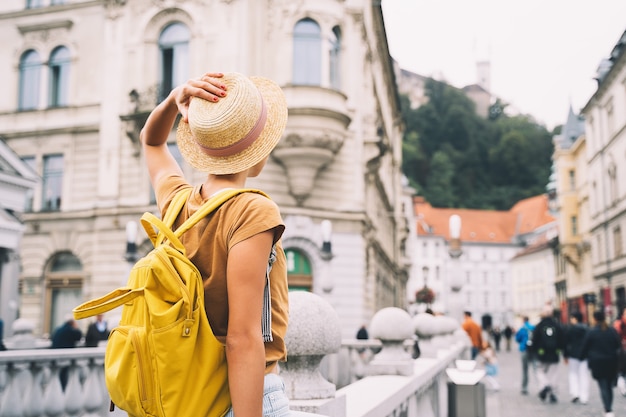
(391, 324)
(426, 325)
(313, 325)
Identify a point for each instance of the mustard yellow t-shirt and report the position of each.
(208, 243)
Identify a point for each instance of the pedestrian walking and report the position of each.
(474, 332)
(508, 334)
(523, 338)
(578, 372)
(490, 362)
(496, 334)
(620, 327)
(547, 344)
(601, 348)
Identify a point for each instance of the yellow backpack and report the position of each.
(163, 359)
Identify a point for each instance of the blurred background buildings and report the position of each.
(81, 77)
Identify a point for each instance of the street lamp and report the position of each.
(326, 253)
(327, 231)
(131, 254)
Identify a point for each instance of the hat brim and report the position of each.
(261, 148)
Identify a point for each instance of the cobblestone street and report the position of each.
(508, 402)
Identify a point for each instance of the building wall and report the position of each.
(533, 277)
(605, 115)
(114, 51)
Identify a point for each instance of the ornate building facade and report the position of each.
(605, 127)
(82, 76)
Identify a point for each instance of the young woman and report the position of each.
(229, 125)
(600, 348)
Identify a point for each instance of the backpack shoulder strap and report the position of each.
(165, 225)
(176, 205)
(212, 204)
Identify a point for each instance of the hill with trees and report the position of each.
(455, 158)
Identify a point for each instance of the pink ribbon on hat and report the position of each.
(243, 143)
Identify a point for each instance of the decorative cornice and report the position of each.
(59, 24)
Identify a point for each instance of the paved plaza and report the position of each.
(508, 402)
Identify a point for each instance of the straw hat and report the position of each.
(238, 131)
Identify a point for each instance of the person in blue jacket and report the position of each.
(522, 337)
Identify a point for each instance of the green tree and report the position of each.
(460, 159)
(439, 190)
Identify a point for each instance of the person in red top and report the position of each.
(474, 332)
(620, 326)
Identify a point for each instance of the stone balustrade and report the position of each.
(324, 375)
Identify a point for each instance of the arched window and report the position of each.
(307, 53)
(59, 77)
(64, 281)
(174, 57)
(30, 73)
(298, 271)
(335, 58)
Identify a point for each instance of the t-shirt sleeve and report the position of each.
(256, 214)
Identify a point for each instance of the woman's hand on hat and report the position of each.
(209, 87)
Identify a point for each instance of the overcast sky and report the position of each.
(543, 53)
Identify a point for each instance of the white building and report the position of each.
(533, 274)
(605, 127)
(489, 240)
(81, 77)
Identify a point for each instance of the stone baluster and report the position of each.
(392, 326)
(92, 389)
(313, 332)
(73, 392)
(33, 398)
(12, 402)
(53, 398)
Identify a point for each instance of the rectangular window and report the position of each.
(572, 180)
(52, 182)
(33, 4)
(574, 221)
(28, 206)
(617, 241)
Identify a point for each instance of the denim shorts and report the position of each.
(275, 401)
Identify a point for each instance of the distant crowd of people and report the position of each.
(595, 352)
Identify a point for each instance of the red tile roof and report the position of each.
(484, 225)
